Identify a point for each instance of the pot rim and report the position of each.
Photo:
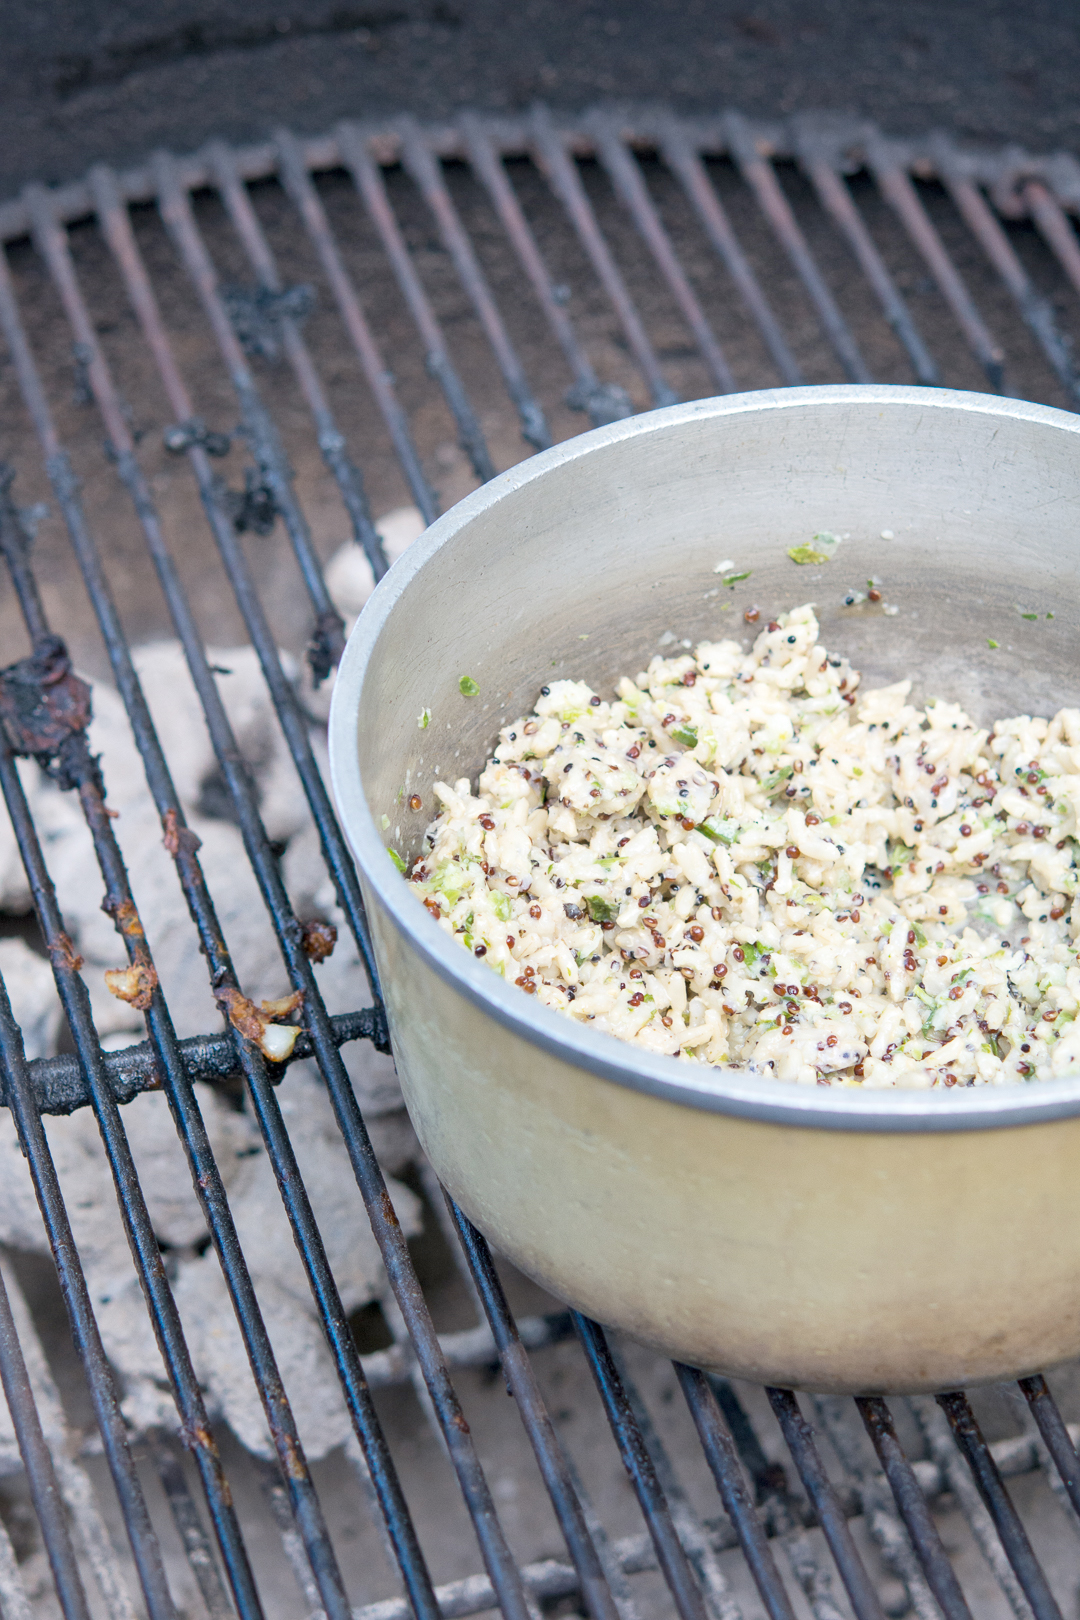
(738, 1092)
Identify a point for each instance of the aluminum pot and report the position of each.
(833, 1240)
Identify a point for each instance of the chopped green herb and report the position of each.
(500, 904)
(771, 783)
(467, 686)
(397, 860)
(920, 937)
(1029, 615)
(1049, 615)
(686, 735)
(718, 832)
(423, 719)
(990, 642)
(819, 551)
(733, 579)
(601, 910)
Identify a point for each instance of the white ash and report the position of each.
(29, 982)
(348, 573)
(32, 993)
(276, 1269)
(277, 1272)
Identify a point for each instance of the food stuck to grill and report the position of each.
(119, 997)
(744, 859)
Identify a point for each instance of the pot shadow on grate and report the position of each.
(232, 363)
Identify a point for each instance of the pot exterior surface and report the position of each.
(826, 1238)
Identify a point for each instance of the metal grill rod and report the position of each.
(189, 1526)
(1003, 171)
(92, 1535)
(840, 1422)
(84, 1329)
(800, 1442)
(686, 165)
(250, 1063)
(832, 190)
(368, 1173)
(328, 641)
(939, 1572)
(121, 240)
(639, 1466)
(942, 1449)
(279, 1415)
(999, 1505)
(79, 771)
(346, 474)
(369, 183)
(605, 402)
(761, 177)
(1044, 1409)
(1053, 225)
(58, 1082)
(719, 1599)
(783, 1511)
(720, 1454)
(562, 175)
(298, 184)
(40, 1473)
(525, 1389)
(899, 192)
(369, 1176)
(1035, 310)
(625, 175)
(429, 178)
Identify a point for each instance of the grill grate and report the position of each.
(700, 255)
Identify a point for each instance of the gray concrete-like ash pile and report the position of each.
(210, 1326)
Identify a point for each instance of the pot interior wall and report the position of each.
(587, 569)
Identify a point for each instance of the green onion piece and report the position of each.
(686, 735)
(733, 579)
(990, 642)
(397, 860)
(423, 719)
(819, 551)
(467, 686)
(500, 904)
(718, 832)
(601, 910)
(920, 937)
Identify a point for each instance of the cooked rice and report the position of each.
(743, 860)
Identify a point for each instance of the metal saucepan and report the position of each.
(831, 1239)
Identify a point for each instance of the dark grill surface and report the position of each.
(338, 326)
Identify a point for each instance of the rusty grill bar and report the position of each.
(806, 234)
